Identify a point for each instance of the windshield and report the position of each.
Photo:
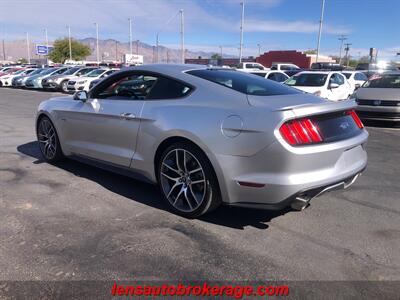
(85, 71)
(38, 71)
(71, 71)
(307, 79)
(243, 82)
(48, 71)
(19, 72)
(391, 81)
(95, 73)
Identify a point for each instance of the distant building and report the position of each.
(217, 62)
(291, 56)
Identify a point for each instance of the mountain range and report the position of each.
(110, 49)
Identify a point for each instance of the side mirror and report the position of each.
(333, 85)
(81, 96)
(357, 86)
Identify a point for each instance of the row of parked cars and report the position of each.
(63, 78)
(376, 89)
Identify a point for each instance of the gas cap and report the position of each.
(232, 126)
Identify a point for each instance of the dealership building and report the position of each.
(298, 58)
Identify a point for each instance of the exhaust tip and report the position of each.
(300, 203)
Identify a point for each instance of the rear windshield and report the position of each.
(391, 81)
(243, 82)
(307, 79)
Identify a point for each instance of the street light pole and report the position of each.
(320, 29)
(259, 49)
(341, 39)
(157, 42)
(137, 47)
(47, 45)
(130, 35)
(241, 33)
(97, 43)
(69, 39)
(182, 37)
(220, 47)
(27, 48)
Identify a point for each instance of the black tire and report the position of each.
(211, 192)
(49, 142)
(63, 86)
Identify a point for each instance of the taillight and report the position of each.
(356, 119)
(300, 132)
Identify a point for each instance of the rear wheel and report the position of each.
(49, 143)
(187, 180)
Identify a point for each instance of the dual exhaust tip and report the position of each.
(302, 201)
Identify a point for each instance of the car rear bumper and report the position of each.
(274, 177)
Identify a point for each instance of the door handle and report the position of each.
(127, 115)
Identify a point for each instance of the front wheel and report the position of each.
(49, 143)
(187, 180)
(64, 86)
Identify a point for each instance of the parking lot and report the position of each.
(74, 222)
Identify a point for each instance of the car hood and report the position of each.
(378, 94)
(300, 104)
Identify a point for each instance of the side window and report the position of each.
(60, 71)
(128, 87)
(272, 76)
(166, 88)
(360, 76)
(340, 79)
(274, 68)
(281, 77)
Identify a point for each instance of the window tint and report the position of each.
(166, 88)
(129, 87)
(261, 74)
(244, 83)
(384, 81)
(307, 79)
(272, 76)
(360, 76)
(280, 77)
(339, 79)
(347, 75)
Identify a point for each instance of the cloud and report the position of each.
(253, 25)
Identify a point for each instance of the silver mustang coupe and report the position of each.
(209, 136)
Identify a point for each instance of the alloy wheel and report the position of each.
(183, 180)
(47, 139)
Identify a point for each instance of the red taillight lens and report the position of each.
(300, 132)
(356, 119)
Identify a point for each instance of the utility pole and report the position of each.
(130, 35)
(241, 33)
(167, 56)
(69, 39)
(47, 46)
(4, 51)
(220, 51)
(137, 47)
(27, 48)
(347, 49)
(116, 51)
(157, 42)
(341, 39)
(182, 37)
(97, 42)
(154, 54)
(259, 49)
(320, 29)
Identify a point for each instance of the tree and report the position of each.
(60, 52)
(311, 51)
(215, 56)
(22, 61)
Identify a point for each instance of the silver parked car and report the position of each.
(379, 98)
(209, 136)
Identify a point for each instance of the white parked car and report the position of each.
(6, 80)
(330, 85)
(284, 67)
(355, 78)
(83, 83)
(272, 75)
(250, 66)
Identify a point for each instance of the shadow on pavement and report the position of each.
(145, 193)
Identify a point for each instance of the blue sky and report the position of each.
(275, 24)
